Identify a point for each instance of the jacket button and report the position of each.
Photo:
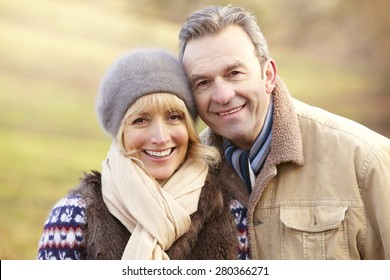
(257, 222)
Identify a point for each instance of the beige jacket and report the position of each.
(324, 190)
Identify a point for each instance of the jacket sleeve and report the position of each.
(376, 197)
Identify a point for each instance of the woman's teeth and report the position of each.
(159, 153)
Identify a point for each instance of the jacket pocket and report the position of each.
(317, 232)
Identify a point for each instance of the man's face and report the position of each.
(229, 88)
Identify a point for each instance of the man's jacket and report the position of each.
(324, 190)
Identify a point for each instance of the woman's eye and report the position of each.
(138, 121)
(175, 116)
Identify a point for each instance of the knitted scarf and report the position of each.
(156, 216)
(248, 164)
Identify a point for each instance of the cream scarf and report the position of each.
(156, 216)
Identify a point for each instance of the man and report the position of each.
(304, 183)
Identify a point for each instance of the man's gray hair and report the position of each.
(214, 19)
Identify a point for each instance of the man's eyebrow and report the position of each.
(235, 65)
(195, 77)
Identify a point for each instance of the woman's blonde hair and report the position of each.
(166, 102)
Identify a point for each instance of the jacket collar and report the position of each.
(286, 143)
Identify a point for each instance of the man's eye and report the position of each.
(201, 83)
(235, 73)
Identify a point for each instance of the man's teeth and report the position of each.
(159, 154)
(230, 112)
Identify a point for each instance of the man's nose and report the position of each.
(223, 92)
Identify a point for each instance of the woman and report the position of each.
(155, 198)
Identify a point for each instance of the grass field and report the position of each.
(53, 54)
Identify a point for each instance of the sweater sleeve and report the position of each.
(62, 237)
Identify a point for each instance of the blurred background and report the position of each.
(331, 53)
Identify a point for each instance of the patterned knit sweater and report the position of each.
(239, 215)
(62, 237)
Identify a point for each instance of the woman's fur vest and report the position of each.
(212, 234)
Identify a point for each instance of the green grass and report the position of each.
(49, 135)
(53, 54)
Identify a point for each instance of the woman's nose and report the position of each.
(159, 133)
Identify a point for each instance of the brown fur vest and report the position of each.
(212, 234)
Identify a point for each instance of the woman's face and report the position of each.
(160, 140)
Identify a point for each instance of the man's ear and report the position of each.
(270, 71)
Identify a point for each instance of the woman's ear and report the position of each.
(270, 72)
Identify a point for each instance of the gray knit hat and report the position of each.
(138, 73)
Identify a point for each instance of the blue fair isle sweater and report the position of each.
(62, 237)
(239, 213)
